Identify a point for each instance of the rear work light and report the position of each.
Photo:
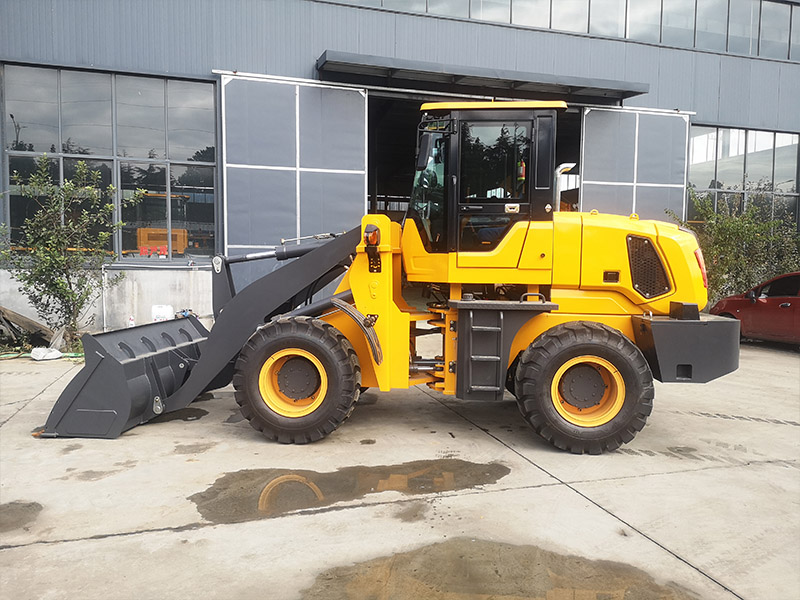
(698, 254)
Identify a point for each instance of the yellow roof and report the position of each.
(493, 105)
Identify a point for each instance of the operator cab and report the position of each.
(481, 167)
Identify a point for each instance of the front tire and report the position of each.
(584, 387)
(297, 379)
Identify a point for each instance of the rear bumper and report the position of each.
(694, 351)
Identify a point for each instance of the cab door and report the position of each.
(495, 159)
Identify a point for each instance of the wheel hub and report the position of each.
(298, 378)
(582, 386)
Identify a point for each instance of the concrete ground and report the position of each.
(416, 496)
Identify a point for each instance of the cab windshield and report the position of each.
(427, 204)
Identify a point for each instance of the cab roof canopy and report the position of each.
(513, 104)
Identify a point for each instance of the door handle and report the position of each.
(785, 305)
(470, 207)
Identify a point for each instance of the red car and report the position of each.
(770, 311)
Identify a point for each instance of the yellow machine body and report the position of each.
(569, 255)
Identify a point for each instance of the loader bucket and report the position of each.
(133, 375)
(127, 376)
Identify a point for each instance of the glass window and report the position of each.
(453, 8)
(762, 203)
(785, 286)
(712, 22)
(795, 49)
(644, 18)
(144, 233)
(702, 157)
(192, 210)
(491, 10)
(571, 15)
(786, 162)
(607, 17)
(140, 117)
(730, 203)
(677, 28)
(31, 109)
(409, 5)
(743, 27)
(85, 113)
(22, 208)
(730, 158)
(774, 30)
(105, 168)
(785, 208)
(535, 13)
(191, 120)
(692, 214)
(493, 161)
(760, 153)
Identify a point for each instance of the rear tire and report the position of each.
(584, 387)
(297, 379)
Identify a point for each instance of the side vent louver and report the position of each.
(647, 271)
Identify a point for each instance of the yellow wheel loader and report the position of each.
(573, 313)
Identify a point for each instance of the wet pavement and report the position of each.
(415, 496)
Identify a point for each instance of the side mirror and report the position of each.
(751, 295)
(423, 151)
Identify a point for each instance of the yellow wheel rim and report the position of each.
(278, 401)
(608, 403)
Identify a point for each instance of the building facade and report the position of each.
(249, 122)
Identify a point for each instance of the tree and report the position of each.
(63, 246)
(742, 245)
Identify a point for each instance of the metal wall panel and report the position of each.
(734, 96)
(677, 67)
(293, 160)
(260, 121)
(763, 109)
(613, 199)
(661, 149)
(640, 65)
(327, 213)
(332, 129)
(654, 202)
(534, 53)
(261, 206)
(610, 138)
(789, 93)
(634, 161)
(285, 37)
(705, 87)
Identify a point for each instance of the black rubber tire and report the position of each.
(539, 364)
(341, 369)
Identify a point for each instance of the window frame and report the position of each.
(116, 160)
(741, 187)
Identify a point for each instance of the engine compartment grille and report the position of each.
(647, 271)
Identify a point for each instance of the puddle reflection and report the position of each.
(259, 493)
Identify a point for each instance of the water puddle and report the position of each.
(469, 569)
(260, 493)
(18, 514)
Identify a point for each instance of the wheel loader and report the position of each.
(575, 314)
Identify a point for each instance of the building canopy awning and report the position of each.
(334, 65)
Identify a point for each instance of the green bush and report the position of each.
(63, 246)
(742, 246)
